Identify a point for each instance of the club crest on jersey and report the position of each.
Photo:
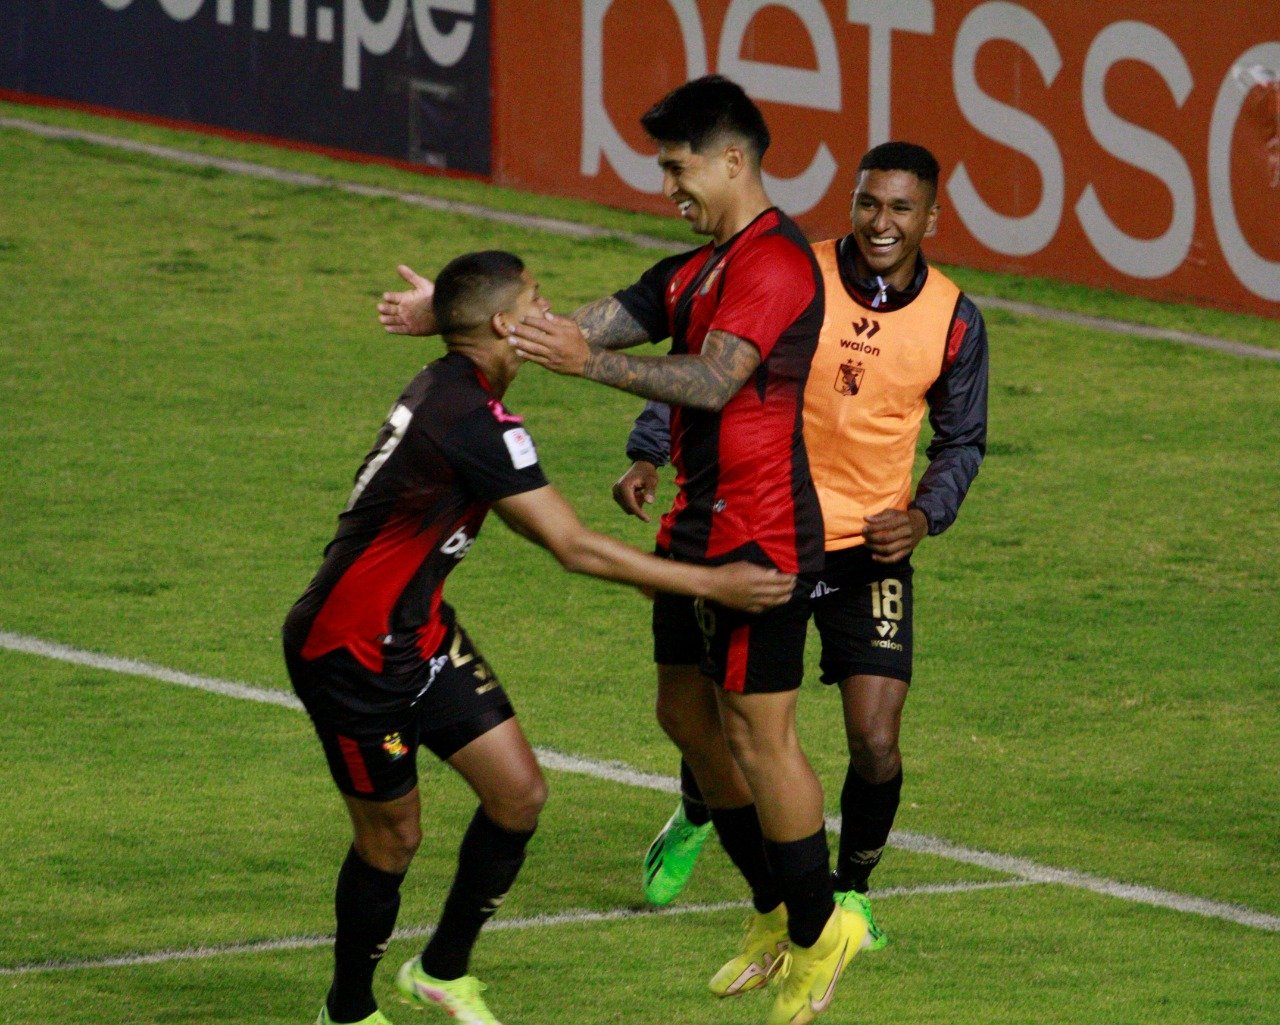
(706, 285)
(849, 377)
(394, 746)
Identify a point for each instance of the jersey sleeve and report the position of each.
(766, 289)
(646, 300)
(958, 416)
(493, 455)
(650, 438)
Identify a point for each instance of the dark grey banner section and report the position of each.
(405, 79)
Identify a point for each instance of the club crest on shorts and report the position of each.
(394, 746)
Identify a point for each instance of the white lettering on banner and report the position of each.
(181, 10)
(360, 33)
(881, 19)
(1258, 274)
(261, 13)
(1139, 258)
(445, 48)
(1013, 236)
(599, 136)
(818, 90)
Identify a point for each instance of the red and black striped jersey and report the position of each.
(447, 452)
(742, 476)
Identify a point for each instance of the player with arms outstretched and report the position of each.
(742, 312)
(383, 666)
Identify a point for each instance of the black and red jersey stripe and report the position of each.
(743, 484)
(447, 452)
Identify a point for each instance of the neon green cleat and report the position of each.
(763, 949)
(376, 1018)
(859, 902)
(670, 859)
(460, 998)
(807, 979)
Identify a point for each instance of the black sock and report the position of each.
(740, 836)
(366, 903)
(803, 871)
(488, 862)
(695, 808)
(867, 811)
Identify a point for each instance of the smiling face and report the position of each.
(699, 183)
(892, 212)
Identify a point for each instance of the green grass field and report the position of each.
(191, 373)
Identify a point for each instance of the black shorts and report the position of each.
(862, 610)
(372, 724)
(741, 652)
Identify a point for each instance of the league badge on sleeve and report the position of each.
(520, 447)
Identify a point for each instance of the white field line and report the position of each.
(578, 917)
(617, 772)
(574, 229)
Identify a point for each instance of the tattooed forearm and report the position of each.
(705, 381)
(608, 325)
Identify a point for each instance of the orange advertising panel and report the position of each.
(1131, 144)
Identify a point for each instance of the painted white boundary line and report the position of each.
(573, 229)
(554, 225)
(619, 773)
(419, 931)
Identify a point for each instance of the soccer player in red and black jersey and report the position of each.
(383, 666)
(925, 351)
(743, 313)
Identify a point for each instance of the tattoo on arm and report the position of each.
(705, 381)
(607, 325)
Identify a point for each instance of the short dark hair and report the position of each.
(699, 111)
(472, 288)
(903, 156)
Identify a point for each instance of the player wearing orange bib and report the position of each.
(899, 340)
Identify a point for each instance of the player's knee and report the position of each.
(518, 806)
(391, 845)
(681, 729)
(873, 749)
(756, 749)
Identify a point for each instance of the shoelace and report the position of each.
(780, 970)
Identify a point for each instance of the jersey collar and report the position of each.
(865, 290)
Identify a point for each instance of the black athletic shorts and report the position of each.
(741, 652)
(372, 724)
(862, 610)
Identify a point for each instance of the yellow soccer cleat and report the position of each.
(763, 946)
(374, 1019)
(807, 981)
(459, 998)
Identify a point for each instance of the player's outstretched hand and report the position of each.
(741, 585)
(893, 534)
(636, 488)
(409, 312)
(556, 343)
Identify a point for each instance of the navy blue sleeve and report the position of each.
(958, 416)
(646, 300)
(650, 438)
